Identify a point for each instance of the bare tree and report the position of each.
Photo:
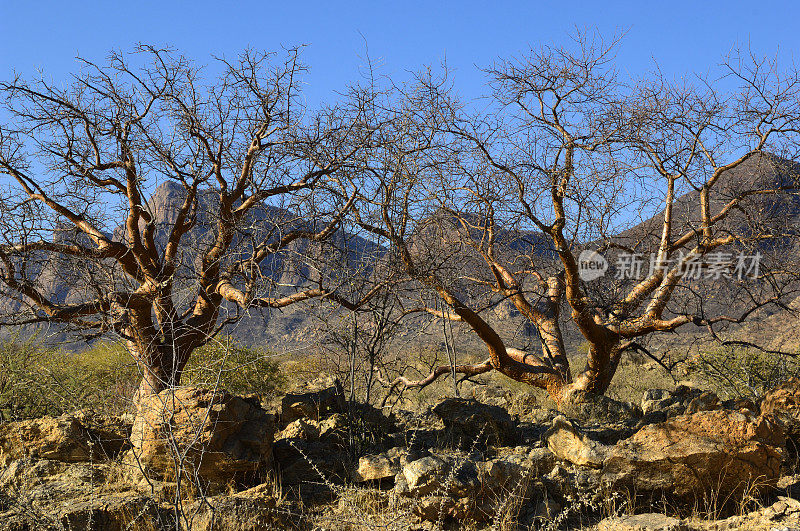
(247, 170)
(480, 207)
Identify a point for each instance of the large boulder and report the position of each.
(218, 437)
(709, 453)
(782, 404)
(469, 423)
(569, 444)
(316, 400)
(61, 439)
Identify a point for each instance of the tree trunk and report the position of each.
(161, 367)
(601, 364)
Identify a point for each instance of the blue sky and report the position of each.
(683, 37)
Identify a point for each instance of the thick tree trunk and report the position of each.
(601, 364)
(161, 367)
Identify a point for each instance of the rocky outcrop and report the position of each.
(569, 444)
(61, 439)
(701, 455)
(215, 437)
(469, 423)
(319, 399)
(379, 466)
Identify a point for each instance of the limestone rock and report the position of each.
(469, 422)
(719, 451)
(569, 444)
(642, 522)
(220, 436)
(62, 438)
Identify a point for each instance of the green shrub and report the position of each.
(234, 367)
(740, 372)
(36, 380)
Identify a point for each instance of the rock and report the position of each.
(320, 399)
(300, 429)
(109, 435)
(590, 407)
(220, 436)
(642, 522)
(711, 452)
(707, 401)
(783, 405)
(379, 466)
(656, 400)
(568, 444)
(424, 476)
(469, 423)
(250, 510)
(62, 438)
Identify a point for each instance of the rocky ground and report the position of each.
(195, 459)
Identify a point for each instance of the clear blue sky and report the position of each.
(682, 36)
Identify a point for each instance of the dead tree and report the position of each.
(247, 169)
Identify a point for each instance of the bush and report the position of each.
(36, 380)
(238, 369)
(743, 373)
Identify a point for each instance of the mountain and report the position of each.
(71, 281)
(293, 326)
